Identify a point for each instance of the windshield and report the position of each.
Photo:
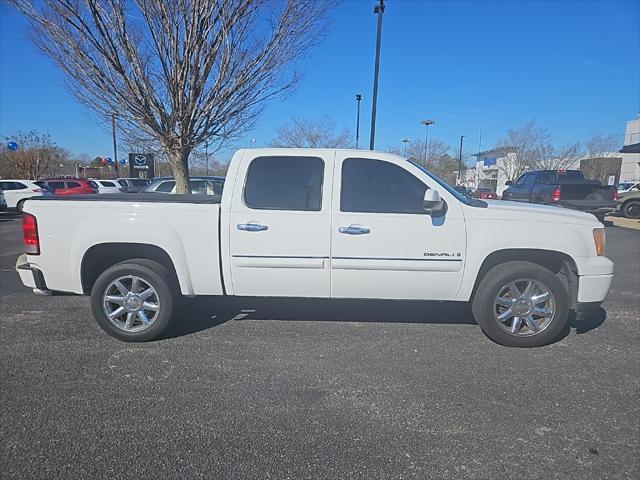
(472, 202)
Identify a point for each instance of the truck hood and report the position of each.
(516, 211)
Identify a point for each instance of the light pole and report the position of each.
(252, 143)
(115, 148)
(358, 98)
(378, 10)
(460, 162)
(426, 139)
(405, 141)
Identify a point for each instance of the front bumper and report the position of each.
(594, 280)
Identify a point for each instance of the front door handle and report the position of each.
(354, 230)
(252, 227)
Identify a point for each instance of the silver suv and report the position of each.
(199, 185)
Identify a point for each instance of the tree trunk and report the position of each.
(179, 161)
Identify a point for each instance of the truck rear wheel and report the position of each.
(631, 209)
(521, 304)
(134, 300)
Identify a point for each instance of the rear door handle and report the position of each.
(354, 230)
(252, 227)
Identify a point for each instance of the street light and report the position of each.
(378, 10)
(358, 98)
(426, 139)
(405, 141)
(460, 162)
(252, 143)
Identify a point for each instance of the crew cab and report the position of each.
(321, 223)
(566, 188)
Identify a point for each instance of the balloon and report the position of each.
(103, 160)
(123, 162)
(109, 160)
(12, 146)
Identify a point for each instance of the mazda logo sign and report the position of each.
(140, 159)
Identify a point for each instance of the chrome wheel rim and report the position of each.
(131, 303)
(524, 307)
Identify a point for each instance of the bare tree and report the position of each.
(181, 72)
(305, 133)
(601, 145)
(550, 158)
(600, 159)
(523, 149)
(36, 156)
(416, 151)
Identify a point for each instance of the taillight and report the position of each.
(39, 190)
(30, 234)
(555, 196)
(88, 189)
(616, 195)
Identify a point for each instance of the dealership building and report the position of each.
(630, 165)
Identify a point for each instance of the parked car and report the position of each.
(106, 186)
(199, 185)
(485, 194)
(133, 185)
(3, 202)
(628, 187)
(319, 223)
(567, 188)
(16, 192)
(629, 204)
(67, 186)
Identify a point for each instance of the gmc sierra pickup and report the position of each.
(318, 223)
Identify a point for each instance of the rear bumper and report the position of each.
(30, 275)
(590, 206)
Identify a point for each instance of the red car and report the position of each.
(67, 186)
(485, 194)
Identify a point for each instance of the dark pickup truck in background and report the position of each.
(566, 188)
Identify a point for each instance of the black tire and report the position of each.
(501, 275)
(154, 274)
(631, 209)
(19, 206)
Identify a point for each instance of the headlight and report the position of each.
(599, 240)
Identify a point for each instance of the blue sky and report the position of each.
(572, 66)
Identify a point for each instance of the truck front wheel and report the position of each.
(134, 300)
(521, 304)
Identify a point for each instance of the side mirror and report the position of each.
(433, 204)
(508, 183)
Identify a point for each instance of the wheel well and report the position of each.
(558, 263)
(102, 256)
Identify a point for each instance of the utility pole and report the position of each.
(115, 147)
(379, 10)
(358, 98)
(460, 162)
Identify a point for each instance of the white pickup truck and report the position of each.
(321, 223)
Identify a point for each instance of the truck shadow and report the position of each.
(202, 313)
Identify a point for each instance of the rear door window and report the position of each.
(19, 186)
(56, 185)
(285, 183)
(107, 183)
(73, 185)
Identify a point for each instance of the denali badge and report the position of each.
(441, 254)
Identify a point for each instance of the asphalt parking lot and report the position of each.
(335, 390)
